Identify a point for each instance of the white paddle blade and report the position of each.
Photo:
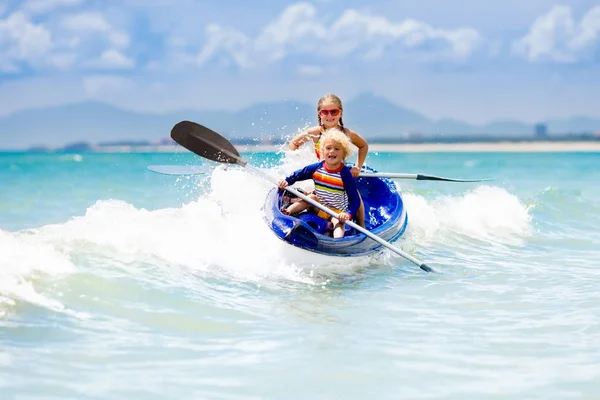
(178, 169)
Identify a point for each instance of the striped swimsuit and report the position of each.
(329, 188)
(334, 189)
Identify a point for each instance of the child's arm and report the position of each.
(351, 191)
(303, 174)
(363, 149)
(302, 138)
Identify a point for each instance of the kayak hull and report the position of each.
(385, 216)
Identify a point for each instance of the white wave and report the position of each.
(24, 261)
(485, 213)
(223, 231)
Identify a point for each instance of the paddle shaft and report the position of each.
(359, 228)
(199, 169)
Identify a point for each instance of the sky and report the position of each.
(474, 60)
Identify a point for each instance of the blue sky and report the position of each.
(473, 60)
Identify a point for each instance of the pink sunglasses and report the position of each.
(334, 112)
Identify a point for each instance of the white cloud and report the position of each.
(556, 36)
(589, 31)
(113, 59)
(81, 39)
(21, 40)
(44, 6)
(119, 39)
(62, 60)
(85, 30)
(92, 22)
(299, 29)
(88, 21)
(227, 39)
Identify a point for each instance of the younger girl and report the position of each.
(334, 185)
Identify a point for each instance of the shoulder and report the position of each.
(313, 167)
(350, 132)
(354, 137)
(313, 131)
(304, 136)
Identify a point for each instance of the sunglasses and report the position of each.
(334, 112)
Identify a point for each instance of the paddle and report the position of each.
(419, 177)
(178, 169)
(209, 144)
(198, 169)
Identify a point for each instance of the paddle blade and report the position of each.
(421, 177)
(205, 142)
(418, 177)
(178, 169)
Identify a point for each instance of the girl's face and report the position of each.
(330, 114)
(333, 154)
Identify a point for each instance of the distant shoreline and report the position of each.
(537, 146)
(474, 147)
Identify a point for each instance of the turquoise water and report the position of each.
(120, 283)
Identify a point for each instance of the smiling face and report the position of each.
(329, 111)
(333, 153)
(335, 147)
(330, 114)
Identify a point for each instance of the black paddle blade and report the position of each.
(205, 142)
(421, 177)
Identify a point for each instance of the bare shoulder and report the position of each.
(355, 138)
(313, 131)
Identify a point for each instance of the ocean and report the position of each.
(120, 283)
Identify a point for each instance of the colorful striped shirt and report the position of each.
(335, 189)
(329, 188)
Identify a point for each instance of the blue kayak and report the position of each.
(385, 216)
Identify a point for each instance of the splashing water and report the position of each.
(157, 287)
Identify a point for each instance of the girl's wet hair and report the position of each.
(329, 98)
(336, 135)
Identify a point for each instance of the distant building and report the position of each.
(540, 130)
(411, 135)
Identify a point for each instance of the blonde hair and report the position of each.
(333, 99)
(337, 136)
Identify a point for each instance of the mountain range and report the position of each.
(373, 117)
